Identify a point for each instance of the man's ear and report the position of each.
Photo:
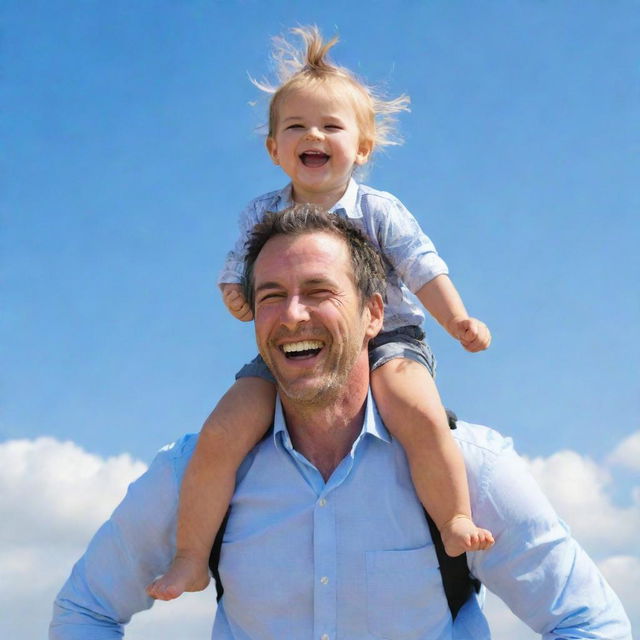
(375, 308)
(272, 148)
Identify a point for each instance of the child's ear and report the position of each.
(272, 149)
(364, 151)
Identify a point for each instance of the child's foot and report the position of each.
(460, 535)
(184, 574)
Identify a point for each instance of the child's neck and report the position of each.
(325, 199)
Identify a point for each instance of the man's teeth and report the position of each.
(303, 345)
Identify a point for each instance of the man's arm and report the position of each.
(536, 567)
(107, 585)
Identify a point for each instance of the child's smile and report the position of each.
(317, 142)
(314, 158)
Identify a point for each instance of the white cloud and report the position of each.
(581, 491)
(627, 453)
(56, 491)
(54, 495)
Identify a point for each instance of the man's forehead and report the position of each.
(315, 255)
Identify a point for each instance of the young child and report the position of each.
(324, 124)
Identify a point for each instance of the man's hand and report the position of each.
(473, 334)
(235, 301)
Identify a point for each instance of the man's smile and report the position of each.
(302, 349)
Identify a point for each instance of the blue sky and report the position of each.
(132, 140)
(132, 145)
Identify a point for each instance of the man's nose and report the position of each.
(294, 312)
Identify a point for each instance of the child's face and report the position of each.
(317, 143)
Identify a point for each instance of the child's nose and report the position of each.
(313, 133)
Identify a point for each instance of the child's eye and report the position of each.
(294, 126)
(334, 127)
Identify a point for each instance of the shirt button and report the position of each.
(322, 502)
(324, 580)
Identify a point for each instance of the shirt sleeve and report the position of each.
(406, 246)
(536, 567)
(137, 543)
(233, 268)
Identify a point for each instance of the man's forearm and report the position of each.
(536, 567)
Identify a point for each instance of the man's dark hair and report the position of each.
(368, 271)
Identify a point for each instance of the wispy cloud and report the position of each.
(581, 490)
(54, 495)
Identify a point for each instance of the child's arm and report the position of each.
(236, 303)
(441, 299)
(230, 277)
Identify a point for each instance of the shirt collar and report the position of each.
(346, 205)
(372, 425)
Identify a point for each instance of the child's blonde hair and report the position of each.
(299, 68)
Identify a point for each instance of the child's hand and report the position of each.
(473, 334)
(235, 301)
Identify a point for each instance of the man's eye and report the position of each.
(320, 293)
(268, 297)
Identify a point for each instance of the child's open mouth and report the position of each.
(314, 158)
(303, 349)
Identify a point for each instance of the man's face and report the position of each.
(310, 326)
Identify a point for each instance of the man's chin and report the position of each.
(311, 391)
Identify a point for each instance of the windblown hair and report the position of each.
(368, 270)
(310, 66)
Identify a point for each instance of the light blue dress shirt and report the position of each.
(410, 258)
(348, 559)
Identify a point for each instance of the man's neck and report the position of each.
(324, 433)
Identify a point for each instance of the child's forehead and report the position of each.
(330, 94)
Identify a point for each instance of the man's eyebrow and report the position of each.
(318, 280)
(309, 282)
(268, 285)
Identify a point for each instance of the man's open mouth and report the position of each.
(314, 158)
(302, 349)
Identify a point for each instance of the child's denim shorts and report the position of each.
(405, 342)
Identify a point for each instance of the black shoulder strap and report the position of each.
(214, 556)
(456, 579)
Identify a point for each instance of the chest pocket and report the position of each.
(405, 598)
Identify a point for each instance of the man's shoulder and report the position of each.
(481, 437)
(480, 444)
(177, 453)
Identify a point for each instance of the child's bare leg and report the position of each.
(410, 406)
(240, 419)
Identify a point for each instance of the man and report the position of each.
(326, 538)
